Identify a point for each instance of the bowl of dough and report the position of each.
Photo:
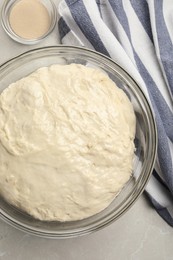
(78, 141)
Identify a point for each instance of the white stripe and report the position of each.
(146, 55)
(152, 21)
(171, 148)
(66, 14)
(159, 192)
(155, 38)
(116, 28)
(168, 16)
(71, 39)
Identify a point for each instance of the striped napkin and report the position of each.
(138, 35)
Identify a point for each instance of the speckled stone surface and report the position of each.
(138, 235)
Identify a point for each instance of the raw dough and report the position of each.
(66, 142)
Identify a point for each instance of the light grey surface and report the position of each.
(138, 235)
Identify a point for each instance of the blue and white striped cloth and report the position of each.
(138, 35)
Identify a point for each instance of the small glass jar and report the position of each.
(5, 20)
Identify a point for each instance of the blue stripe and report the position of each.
(82, 19)
(164, 154)
(160, 104)
(141, 9)
(165, 112)
(63, 28)
(162, 211)
(164, 42)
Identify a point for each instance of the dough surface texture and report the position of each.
(66, 142)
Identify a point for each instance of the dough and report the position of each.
(66, 142)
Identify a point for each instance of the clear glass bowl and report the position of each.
(145, 141)
(5, 13)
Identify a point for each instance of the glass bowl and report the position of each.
(145, 140)
(5, 14)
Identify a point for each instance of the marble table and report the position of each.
(140, 234)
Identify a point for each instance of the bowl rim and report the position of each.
(7, 4)
(150, 165)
